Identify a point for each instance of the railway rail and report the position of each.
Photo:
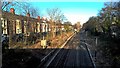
(46, 61)
(71, 55)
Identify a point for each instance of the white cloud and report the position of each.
(82, 18)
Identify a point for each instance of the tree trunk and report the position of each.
(52, 30)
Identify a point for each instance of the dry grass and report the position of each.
(55, 42)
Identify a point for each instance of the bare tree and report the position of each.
(4, 4)
(28, 8)
(34, 12)
(21, 7)
(66, 25)
(25, 7)
(55, 16)
(78, 25)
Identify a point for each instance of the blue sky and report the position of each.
(74, 11)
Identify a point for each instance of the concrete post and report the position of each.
(96, 42)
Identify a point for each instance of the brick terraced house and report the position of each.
(22, 24)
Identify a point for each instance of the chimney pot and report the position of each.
(43, 18)
(28, 14)
(12, 10)
(39, 18)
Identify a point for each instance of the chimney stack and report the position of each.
(43, 18)
(28, 14)
(38, 18)
(12, 10)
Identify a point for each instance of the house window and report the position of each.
(18, 27)
(4, 26)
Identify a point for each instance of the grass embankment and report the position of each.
(55, 42)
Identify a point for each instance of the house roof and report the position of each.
(11, 16)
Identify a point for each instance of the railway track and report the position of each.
(48, 59)
(70, 54)
(60, 57)
(65, 56)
